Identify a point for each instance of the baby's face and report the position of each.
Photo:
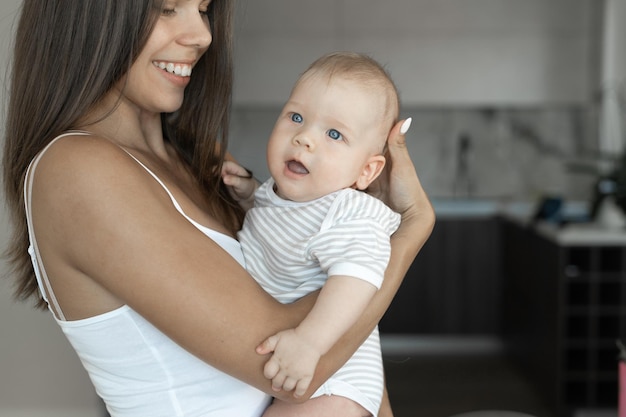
(324, 138)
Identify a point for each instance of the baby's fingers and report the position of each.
(289, 384)
(232, 168)
(267, 346)
(271, 369)
(302, 386)
(278, 381)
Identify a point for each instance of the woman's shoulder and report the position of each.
(80, 174)
(84, 160)
(74, 149)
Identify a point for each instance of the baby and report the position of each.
(311, 226)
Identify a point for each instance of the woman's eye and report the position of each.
(168, 12)
(297, 118)
(335, 134)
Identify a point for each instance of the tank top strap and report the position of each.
(174, 201)
(40, 271)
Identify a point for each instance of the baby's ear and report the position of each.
(371, 171)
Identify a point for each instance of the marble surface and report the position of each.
(469, 153)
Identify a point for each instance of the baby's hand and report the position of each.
(293, 363)
(240, 183)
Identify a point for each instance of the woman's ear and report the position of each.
(370, 172)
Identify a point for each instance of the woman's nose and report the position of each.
(197, 32)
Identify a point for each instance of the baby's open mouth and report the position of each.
(297, 167)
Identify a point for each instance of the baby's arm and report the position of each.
(341, 302)
(240, 183)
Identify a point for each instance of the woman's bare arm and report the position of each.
(385, 405)
(101, 219)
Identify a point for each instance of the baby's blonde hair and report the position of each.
(364, 70)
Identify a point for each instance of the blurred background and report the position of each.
(505, 95)
(517, 136)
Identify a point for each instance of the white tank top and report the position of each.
(137, 370)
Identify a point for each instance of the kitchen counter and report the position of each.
(465, 208)
(519, 210)
(583, 234)
(577, 232)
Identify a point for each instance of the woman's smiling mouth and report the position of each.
(182, 70)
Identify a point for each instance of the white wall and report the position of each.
(440, 52)
(613, 78)
(40, 374)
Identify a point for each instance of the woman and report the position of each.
(125, 147)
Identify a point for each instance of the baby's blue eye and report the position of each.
(296, 117)
(334, 134)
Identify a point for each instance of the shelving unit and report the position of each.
(564, 309)
(595, 317)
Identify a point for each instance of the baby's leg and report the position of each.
(322, 406)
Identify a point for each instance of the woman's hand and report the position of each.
(398, 185)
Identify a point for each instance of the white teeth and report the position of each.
(181, 70)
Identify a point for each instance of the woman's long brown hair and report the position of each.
(68, 54)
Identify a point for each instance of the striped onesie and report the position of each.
(291, 248)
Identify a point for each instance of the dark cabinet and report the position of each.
(558, 305)
(564, 308)
(453, 286)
